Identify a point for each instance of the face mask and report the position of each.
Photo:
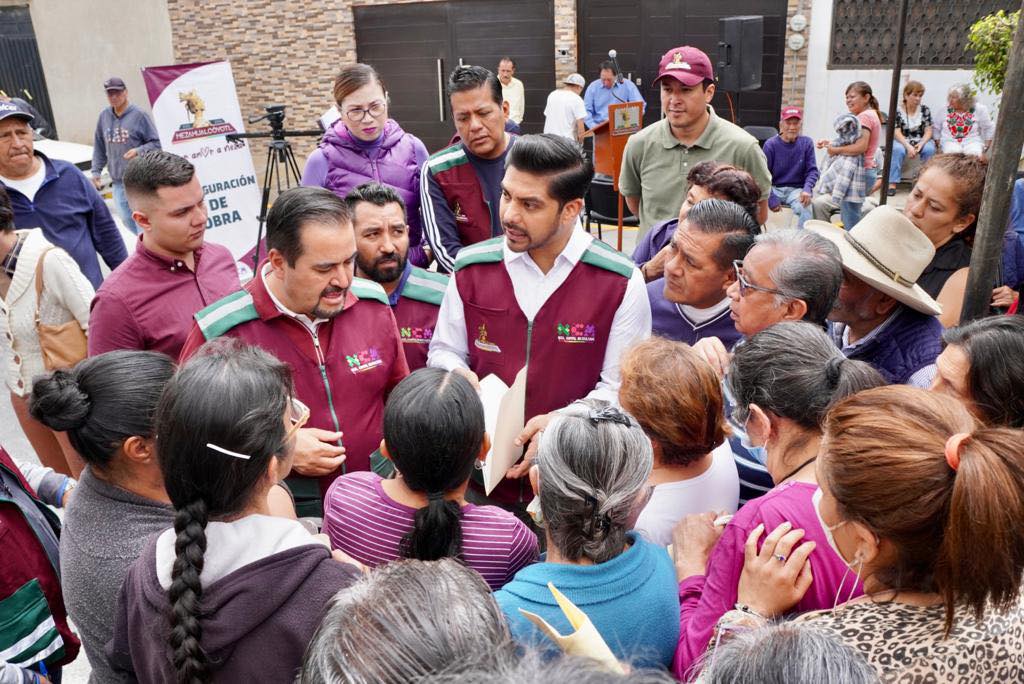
(758, 453)
(816, 501)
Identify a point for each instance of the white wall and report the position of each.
(826, 88)
(84, 42)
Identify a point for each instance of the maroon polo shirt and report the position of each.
(147, 303)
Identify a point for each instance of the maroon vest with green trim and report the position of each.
(564, 344)
(416, 313)
(458, 181)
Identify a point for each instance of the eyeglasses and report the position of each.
(746, 285)
(357, 114)
(298, 415)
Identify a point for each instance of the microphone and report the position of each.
(618, 72)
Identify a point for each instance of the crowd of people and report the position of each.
(746, 454)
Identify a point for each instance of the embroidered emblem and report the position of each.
(678, 63)
(459, 215)
(364, 360)
(482, 343)
(576, 333)
(410, 335)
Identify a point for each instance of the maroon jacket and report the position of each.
(29, 563)
(344, 374)
(415, 310)
(565, 344)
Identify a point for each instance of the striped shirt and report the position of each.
(364, 522)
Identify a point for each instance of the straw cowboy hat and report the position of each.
(886, 251)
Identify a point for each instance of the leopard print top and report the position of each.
(904, 643)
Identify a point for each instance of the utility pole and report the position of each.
(986, 258)
(894, 93)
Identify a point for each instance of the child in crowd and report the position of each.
(842, 175)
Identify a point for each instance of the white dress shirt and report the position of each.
(449, 348)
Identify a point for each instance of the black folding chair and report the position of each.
(602, 206)
(762, 133)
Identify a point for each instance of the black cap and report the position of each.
(114, 83)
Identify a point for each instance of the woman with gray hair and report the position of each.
(591, 477)
(967, 126)
(783, 380)
(405, 621)
(791, 653)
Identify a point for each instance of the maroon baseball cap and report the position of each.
(686, 64)
(792, 113)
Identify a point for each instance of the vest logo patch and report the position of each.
(482, 343)
(576, 333)
(412, 335)
(459, 214)
(364, 360)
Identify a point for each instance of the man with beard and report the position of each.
(382, 250)
(336, 331)
(546, 293)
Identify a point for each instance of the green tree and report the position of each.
(990, 39)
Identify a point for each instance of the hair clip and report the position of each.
(953, 445)
(228, 452)
(608, 414)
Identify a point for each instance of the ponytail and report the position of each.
(433, 432)
(185, 593)
(981, 557)
(436, 532)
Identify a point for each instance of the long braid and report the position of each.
(185, 593)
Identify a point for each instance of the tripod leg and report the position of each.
(264, 203)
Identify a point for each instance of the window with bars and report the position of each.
(864, 32)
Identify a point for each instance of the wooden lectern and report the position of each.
(624, 119)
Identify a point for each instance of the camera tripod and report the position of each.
(280, 156)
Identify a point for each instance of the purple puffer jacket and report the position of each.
(396, 162)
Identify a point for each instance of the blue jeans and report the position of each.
(121, 202)
(899, 153)
(850, 211)
(791, 198)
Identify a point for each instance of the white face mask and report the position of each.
(857, 561)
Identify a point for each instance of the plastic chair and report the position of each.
(762, 133)
(603, 206)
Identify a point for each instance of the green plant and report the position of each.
(990, 38)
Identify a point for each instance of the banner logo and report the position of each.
(576, 333)
(364, 360)
(199, 126)
(482, 343)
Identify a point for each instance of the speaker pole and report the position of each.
(894, 93)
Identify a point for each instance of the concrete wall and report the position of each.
(826, 88)
(82, 43)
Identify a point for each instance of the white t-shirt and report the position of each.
(564, 107)
(27, 186)
(716, 489)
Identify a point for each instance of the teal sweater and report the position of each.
(632, 600)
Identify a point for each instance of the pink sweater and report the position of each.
(703, 599)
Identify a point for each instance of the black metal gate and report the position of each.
(21, 71)
(642, 31)
(415, 46)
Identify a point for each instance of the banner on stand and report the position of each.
(194, 107)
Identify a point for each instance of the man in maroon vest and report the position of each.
(382, 251)
(546, 293)
(336, 332)
(460, 186)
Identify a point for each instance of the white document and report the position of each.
(504, 418)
